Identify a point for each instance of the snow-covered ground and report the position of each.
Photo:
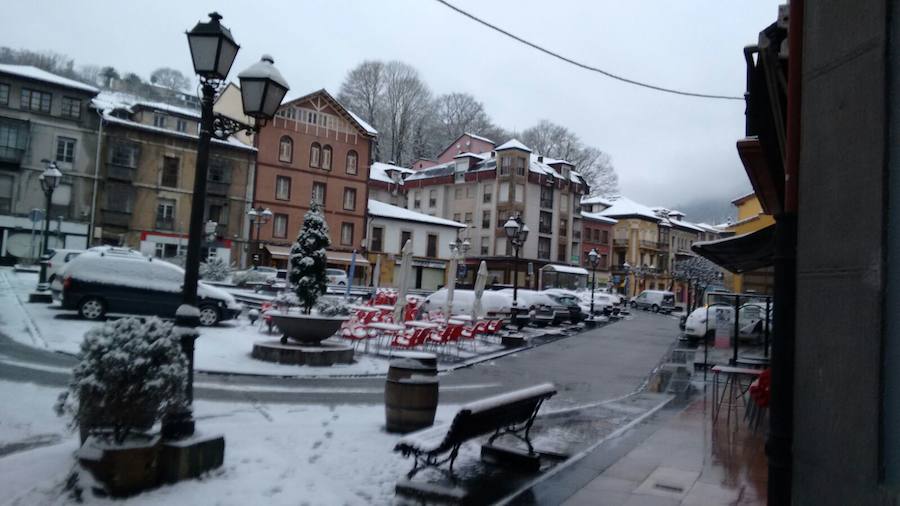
(274, 454)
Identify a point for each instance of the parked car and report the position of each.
(493, 304)
(254, 275)
(572, 303)
(544, 309)
(655, 300)
(57, 259)
(602, 304)
(336, 277)
(751, 318)
(96, 284)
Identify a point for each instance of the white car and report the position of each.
(57, 259)
(751, 319)
(336, 277)
(492, 303)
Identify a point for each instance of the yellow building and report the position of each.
(750, 218)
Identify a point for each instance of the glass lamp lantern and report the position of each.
(262, 89)
(213, 49)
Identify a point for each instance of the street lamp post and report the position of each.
(259, 217)
(213, 51)
(50, 179)
(517, 234)
(594, 259)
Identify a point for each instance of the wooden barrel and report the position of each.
(410, 403)
(408, 367)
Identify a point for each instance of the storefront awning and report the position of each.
(339, 257)
(278, 251)
(565, 269)
(740, 253)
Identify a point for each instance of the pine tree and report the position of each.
(308, 261)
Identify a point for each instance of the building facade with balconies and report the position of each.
(598, 232)
(484, 190)
(314, 150)
(44, 117)
(148, 160)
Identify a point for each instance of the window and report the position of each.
(504, 192)
(159, 120)
(65, 150)
(165, 214)
(417, 199)
(457, 217)
(405, 235)
(326, 158)
(564, 202)
(282, 188)
(604, 236)
(34, 100)
(6, 193)
(561, 253)
(349, 199)
(377, 242)
(485, 243)
(279, 226)
(486, 198)
(219, 171)
(352, 159)
(469, 192)
(285, 149)
(71, 107)
(563, 226)
(458, 193)
(520, 193)
(347, 234)
(544, 248)
(431, 249)
(170, 172)
(124, 154)
(505, 164)
(318, 194)
(520, 166)
(4, 94)
(486, 219)
(119, 197)
(603, 261)
(311, 117)
(314, 151)
(217, 213)
(432, 198)
(181, 125)
(547, 197)
(545, 223)
(468, 218)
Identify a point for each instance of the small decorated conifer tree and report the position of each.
(308, 261)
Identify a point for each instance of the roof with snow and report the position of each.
(339, 106)
(36, 74)
(382, 210)
(599, 217)
(378, 172)
(469, 154)
(172, 109)
(743, 198)
(231, 142)
(625, 208)
(513, 144)
(596, 200)
(554, 161)
(478, 137)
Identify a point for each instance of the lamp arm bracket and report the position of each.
(224, 127)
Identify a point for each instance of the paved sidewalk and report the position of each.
(675, 458)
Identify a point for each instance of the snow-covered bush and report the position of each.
(285, 300)
(214, 270)
(308, 262)
(333, 306)
(131, 372)
(241, 278)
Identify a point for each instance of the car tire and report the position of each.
(633, 304)
(655, 308)
(209, 315)
(51, 278)
(92, 308)
(342, 284)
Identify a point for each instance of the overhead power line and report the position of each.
(584, 65)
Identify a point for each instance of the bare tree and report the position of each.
(406, 97)
(170, 78)
(91, 74)
(699, 273)
(557, 141)
(457, 113)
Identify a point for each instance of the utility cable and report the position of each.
(583, 65)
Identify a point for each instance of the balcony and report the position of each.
(15, 140)
(216, 188)
(11, 156)
(120, 172)
(116, 218)
(650, 244)
(165, 223)
(622, 243)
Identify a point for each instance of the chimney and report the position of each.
(540, 158)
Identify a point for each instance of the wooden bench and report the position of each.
(512, 413)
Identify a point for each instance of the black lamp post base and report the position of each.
(40, 296)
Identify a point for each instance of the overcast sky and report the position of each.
(666, 149)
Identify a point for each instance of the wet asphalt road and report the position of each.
(600, 364)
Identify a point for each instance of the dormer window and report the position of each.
(159, 120)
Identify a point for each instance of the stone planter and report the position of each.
(304, 328)
(125, 469)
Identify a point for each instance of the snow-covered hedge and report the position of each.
(241, 278)
(131, 372)
(214, 270)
